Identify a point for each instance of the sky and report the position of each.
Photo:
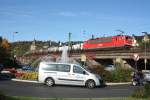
(54, 19)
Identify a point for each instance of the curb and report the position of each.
(29, 81)
(118, 83)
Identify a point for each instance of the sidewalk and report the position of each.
(29, 81)
(19, 80)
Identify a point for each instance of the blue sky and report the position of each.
(54, 19)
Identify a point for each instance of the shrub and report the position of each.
(106, 75)
(121, 75)
(118, 75)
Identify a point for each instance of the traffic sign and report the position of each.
(136, 57)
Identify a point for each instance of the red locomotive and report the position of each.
(107, 42)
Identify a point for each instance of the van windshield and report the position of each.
(86, 68)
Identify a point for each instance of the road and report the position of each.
(13, 88)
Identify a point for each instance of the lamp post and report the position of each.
(69, 45)
(145, 40)
(14, 41)
(14, 36)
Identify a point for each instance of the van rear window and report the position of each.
(50, 67)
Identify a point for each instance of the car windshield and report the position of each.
(1, 65)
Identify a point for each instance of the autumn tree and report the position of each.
(4, 49)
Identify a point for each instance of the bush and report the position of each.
(118, 75)
(29, 76)
(121, 75)
(106, 75)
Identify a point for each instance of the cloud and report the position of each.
(15, 13)
(67, 14)
(72, 14)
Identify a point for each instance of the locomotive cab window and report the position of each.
(128, 38)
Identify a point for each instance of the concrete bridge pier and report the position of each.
(123, 63)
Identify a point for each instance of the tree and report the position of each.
(5, 44)
(4, 50)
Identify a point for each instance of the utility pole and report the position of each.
(145, 40)
(69, 42)
(14, 42)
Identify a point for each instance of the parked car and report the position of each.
(8, 73)
(147, 76)
(67, 74)
(1, 67)
(10, 70)
(27, 68)
(110, 68)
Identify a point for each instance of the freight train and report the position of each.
(100, 43)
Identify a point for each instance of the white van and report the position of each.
(67, 74)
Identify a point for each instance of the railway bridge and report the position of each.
(126, 56)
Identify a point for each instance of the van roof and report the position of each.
(55, 63)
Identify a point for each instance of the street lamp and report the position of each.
(14, 41)
(14, 36)
(69, 40)
(145, 40)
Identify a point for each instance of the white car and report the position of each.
(110, 68)
(147, 76)
(67, 74)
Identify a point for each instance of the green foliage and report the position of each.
(142, 43)
(35, 62)
(118, 75)
(117, 65)
(121, 75)
(106, 75)
(21, 47)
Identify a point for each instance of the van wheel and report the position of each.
(90, 84)
(49, 82)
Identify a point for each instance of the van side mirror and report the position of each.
(84, 72)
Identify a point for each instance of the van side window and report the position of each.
(63, 68)
(50, 67)
(77, 69)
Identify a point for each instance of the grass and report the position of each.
(3, 97)
(30, 98)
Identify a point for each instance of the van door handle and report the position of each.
(73, 74)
